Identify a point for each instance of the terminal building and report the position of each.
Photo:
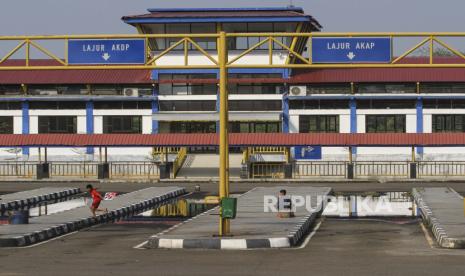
(261, 100)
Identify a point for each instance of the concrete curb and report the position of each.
(433, 223)
(292, 239)
(72, 226)
(33, 201)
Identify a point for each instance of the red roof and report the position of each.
(119, 76)
(379, 75)
(236, 139)
(386, 74)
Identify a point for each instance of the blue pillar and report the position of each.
(154, 110)
(90, 122)
(419, 107)
(285, 119)
(353, 119)
(25, 122)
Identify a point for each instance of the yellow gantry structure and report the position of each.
(222, 60)
(190, 44)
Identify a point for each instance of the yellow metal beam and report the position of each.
(411, 50)
(449, 48)
(294, 41)
(248, 51)
(12, 52)
(224, 227)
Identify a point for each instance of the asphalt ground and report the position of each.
(339, 247)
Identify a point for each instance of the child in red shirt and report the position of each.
(96, 200)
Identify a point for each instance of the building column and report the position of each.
(154, 111)
(90, 123)
(419, 108)
(285, 114)
(353, 119)
(25, 123)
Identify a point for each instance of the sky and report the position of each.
(28, 17)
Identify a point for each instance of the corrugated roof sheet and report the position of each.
(385, 74)
(236, 139)
(122, 76)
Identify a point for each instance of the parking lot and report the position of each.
(344, 246)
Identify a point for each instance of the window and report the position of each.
(254, 88)
(443, 103)
(187, 127)
(317, 123)
(337, 88)
(122, 105)
(449, 123)
(10, 90)
(57, 124)
(194, 28)
(51, 90)
(319, 104)
(255, 105)
(243, 43)
(385, 104)
(187, 105)
(122, 124)
(385, 123)
(10, 105)
(255, 127)
(57, 105)
(6, 125)
(182, 88)
(394, 88)
(442, 87)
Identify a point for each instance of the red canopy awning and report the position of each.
(235, 139)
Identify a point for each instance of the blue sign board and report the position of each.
(307, 152)
(106, 51)
(351, 50)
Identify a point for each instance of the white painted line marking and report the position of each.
(141, 245)
(428, 237)
(307, 239)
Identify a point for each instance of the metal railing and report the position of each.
(441, 168)
(179, 161)
(267, 170)
(381, 168)
(73, 169)
(148, 170)
(18, 169)
(320, 169)
(284, 151)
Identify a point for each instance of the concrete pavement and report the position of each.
(442, 210)
(28, 198)
(49, 226)
(252, 227)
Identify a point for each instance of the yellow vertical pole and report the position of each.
(66, 51)
(431, 50)
(224, 226)
(28, 47)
